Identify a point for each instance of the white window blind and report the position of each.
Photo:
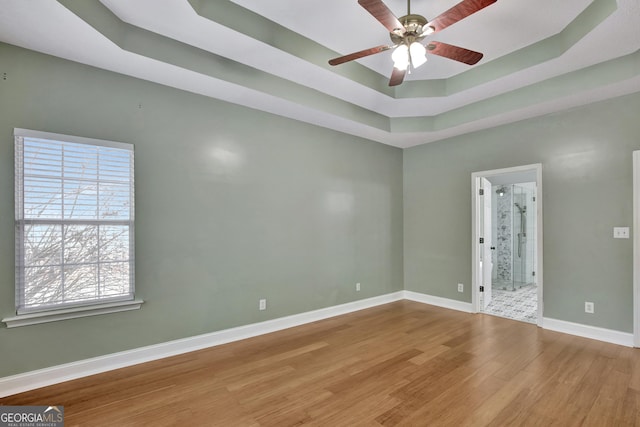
(74, 221)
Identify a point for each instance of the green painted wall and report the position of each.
(232, 205)
(586, 157)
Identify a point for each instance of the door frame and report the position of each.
(636, 249)
(476, 280)
(485, 248)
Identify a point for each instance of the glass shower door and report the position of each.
(523, 235)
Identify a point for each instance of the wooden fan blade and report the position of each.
(358, 55)
(456, 53)
(459, 12)
(397, 76)
(382, 13)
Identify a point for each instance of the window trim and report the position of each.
(80, 309)
(27, 133)
(71, 313)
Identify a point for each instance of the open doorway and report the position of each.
(507, 243)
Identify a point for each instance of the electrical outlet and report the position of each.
(460, 287)
(357, 287)
(262, 305)
(620, 232)
(589, 307)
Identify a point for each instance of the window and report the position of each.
(74, 222)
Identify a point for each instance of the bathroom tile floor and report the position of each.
(521, 304)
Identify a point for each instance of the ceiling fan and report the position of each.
(407, 33)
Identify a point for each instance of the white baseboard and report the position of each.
(586, 331)
(467, 307)
(69, 371)
(56, 374)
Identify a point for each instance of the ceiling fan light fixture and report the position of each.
(426, 30)
(400, 57)
(418, 54)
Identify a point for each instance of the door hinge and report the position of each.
(482, 240)
(481, 192)
(533, 273)
(481, 288)
(534, 198)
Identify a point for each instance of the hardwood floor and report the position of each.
(403, 363)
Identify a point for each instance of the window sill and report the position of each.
(71, 313)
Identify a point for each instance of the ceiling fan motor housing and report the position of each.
(413, 25)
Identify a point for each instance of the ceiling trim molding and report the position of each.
(245, 21)
(158, 47)
(236, 17)
(529, 56)
(586, 79)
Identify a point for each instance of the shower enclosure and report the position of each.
(514, 230)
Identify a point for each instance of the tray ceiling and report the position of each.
(540, 57)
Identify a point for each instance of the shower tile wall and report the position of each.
(504, 236)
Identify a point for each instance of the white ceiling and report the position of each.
(540, 57)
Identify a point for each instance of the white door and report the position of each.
(485, 248)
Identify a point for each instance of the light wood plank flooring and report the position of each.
(403, 363)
